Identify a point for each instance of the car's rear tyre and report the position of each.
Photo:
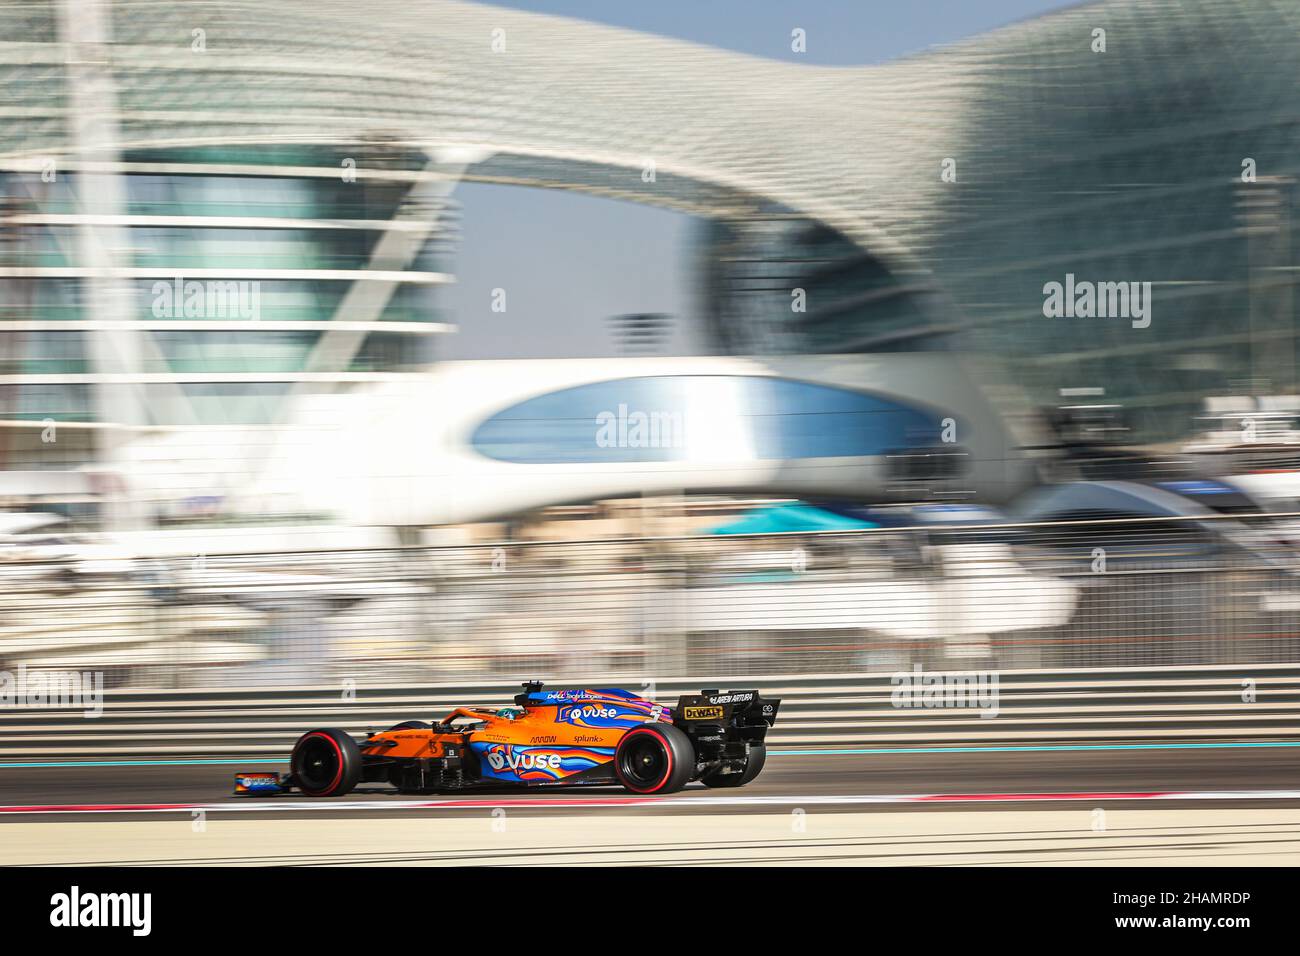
(753, 767)
(325, 763)
(409, 725)
(654, 758)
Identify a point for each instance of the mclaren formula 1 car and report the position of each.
(548, 738)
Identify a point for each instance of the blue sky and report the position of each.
(839, 32)
(567, 262)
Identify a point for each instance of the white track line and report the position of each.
(270, 804)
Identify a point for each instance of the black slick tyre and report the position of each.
(654, 758)
(325, 763)
(753, 767)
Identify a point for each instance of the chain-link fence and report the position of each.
(1078, 594)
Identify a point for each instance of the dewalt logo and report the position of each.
(703, 713)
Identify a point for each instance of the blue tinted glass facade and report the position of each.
(684, 417)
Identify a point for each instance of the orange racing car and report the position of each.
(548, 738)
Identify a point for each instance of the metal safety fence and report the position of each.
(1165, 705)
(1084, 594)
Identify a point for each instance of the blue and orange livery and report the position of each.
(548, 738)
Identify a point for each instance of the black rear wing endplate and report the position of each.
(734, 708)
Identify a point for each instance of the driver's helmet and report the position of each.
(510, 713)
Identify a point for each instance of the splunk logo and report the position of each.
(1102, 300)
(74, 909)
(522, 760)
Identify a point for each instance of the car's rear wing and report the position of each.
(746, 713)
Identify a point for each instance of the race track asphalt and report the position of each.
(788, 777)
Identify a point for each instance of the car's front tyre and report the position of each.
(654, 758)
(326, 763)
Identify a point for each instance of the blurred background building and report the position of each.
(227, 236)
(313, 151)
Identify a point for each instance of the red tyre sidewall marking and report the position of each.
(338, 776)
(668, 753)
